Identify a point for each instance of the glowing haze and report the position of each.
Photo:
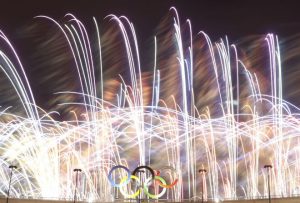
(201, 106)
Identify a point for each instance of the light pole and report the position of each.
(140, 177)
(76, 170)
(268, 168)
(202, 171)
(11, 167)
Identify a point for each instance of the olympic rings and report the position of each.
(122, 183)
(154, 176)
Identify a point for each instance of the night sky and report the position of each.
(234, 18)
(218, 18)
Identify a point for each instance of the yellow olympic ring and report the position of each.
(134, 194)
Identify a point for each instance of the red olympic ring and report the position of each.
(174, 182)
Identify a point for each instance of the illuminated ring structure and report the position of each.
(155, 176)
(125, 182)
(164, 185)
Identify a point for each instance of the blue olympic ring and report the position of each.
(122, 183)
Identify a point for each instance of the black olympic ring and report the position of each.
(137, 169)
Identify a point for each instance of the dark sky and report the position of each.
(234, 18)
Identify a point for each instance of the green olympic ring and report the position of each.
(161, 193)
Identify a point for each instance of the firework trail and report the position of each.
(203, 105)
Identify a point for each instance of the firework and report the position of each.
(201, 107)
